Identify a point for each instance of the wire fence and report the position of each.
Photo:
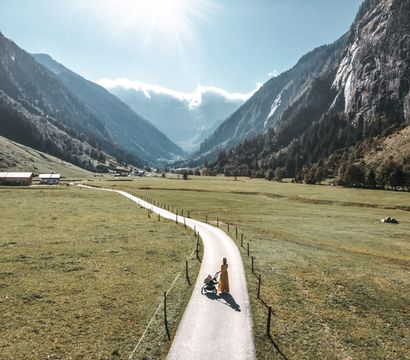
(168, 312)
(246, 248)
(165, 317)
(155, 338)
(173, 299)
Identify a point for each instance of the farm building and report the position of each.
(16, 178)
(49, 179)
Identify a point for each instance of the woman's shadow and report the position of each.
(224, 298)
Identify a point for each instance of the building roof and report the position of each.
(14, 175)
(49, 176)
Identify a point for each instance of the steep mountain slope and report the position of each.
(123, 125)
(360, 96)
(374, 74)
(187, 119)
(17, 157)
(265, 108)
(37, 110)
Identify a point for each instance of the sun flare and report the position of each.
(153, 20)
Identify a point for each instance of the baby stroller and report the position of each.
(209, 284)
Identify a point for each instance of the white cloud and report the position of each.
(194, 99)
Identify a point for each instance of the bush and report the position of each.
(354, 175)
(269, 174)
(280, 174)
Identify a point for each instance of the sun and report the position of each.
(174, 21)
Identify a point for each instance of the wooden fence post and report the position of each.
(253, 268)
(248, 247)
(197, 248)
(268, 322)
(176, 218)
(236, 232)
(217, 222)
(189, 214)
(184, 223)
(182, 212)
(206, 218)
(259, 286)
(241, 240)
(165, 316)
(159, 217)
(228, 226)
(187, 273)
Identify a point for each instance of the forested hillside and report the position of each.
(336, 124)
(125, 128)
(37, 110)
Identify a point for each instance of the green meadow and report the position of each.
(82, 272)
(337, 278)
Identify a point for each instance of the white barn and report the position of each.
(49, 179)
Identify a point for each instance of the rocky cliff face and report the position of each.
(374, 74)
(364, 75)
(348, 94)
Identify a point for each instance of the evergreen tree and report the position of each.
(269, 174)
(354, 175)
(371, 178)
(280, 174)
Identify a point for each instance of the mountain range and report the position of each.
(266, 107)
(124, 125)
(342, 111)
(187, 118)
(47, 107)
(335, 107)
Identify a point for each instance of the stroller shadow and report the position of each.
(226, 299)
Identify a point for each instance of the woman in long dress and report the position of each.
(223, 286)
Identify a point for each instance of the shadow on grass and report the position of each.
(226, 299)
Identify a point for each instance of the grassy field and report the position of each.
(337, 278)
(82, 272)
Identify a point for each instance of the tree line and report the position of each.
(331, 148)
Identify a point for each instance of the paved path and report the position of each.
(211, 327)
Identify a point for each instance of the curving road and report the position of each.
(212, 327)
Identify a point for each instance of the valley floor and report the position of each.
(335, 276)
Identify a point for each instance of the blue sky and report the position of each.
(177, 44)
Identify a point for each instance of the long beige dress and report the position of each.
(223, 286)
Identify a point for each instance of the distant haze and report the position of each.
(186, 118)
